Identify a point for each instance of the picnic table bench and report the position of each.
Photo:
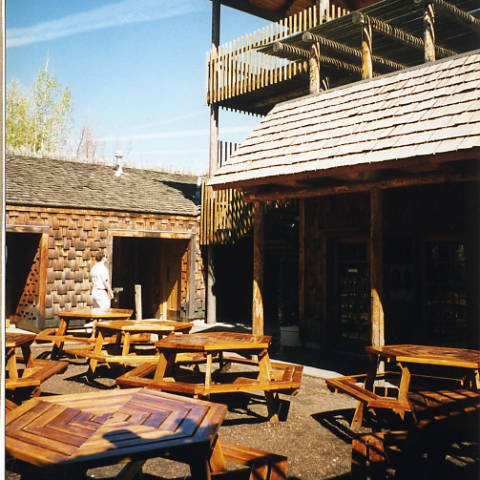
(176, 353)
(25, 374)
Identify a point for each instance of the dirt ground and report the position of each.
(313, 433)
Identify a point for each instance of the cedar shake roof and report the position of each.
(64, 184)
(421, 111)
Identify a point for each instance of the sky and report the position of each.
(136, 70)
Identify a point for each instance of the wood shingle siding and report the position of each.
(76, 210)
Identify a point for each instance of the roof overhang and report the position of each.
(418, 125)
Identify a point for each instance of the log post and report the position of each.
(258, 269)
(42, 280)
(314, 63)
(367, 68)
(376, 268)
(429, 32)
(301, 263)
(211, 315)
(323, 7)
(138, 302)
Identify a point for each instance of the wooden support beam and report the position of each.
(309, 37)
(299, 92)
(314, 64)
(406, 181)
(291, 52)
(397, 34)
(301, 262)
(377, 320)
(258, 269)
(42, 280)
(454, 13)
(367, 67)
(429, 32)
(288, 8)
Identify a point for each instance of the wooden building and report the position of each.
(59, 214)
(380, 163)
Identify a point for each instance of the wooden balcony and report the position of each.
(225, 216)
(241, 77)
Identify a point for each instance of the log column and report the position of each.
(429, 32)
(367, 68)
(314, 64)
(258, 269)
(376, 268)
(213, 166)
(301, 264)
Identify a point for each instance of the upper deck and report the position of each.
(253, 73)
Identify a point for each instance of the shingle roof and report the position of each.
(420, 111)
(65, 184)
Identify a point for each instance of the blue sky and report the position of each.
(136, 69)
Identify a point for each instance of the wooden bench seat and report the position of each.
(33, 376)
(287, 380)
(264, 465)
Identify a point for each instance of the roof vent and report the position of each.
(118, 163)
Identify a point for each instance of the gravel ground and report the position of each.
(313, 433)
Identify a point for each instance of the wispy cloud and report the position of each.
(116, 14)
(176, 134)
(169, 121)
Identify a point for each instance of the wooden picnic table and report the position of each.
(404, 356)
(25, 374)
(121, 351)
(83, 431)
(443, 393)
(178, 351)
(59, 335)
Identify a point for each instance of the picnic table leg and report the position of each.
(131, 470)
(57, 348)
(93, 361)
(208, 371)
(200, 464)
(12, 364)
(164, 366)
(217, 460)
(368, 385)
(273, 406)
(27, 356)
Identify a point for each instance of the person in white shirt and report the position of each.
(102, 293)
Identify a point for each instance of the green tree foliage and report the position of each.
(39, 118)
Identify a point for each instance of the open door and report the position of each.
(172, 275)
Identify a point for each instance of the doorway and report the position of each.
(156, 264)
(352, 294)
(22, 275)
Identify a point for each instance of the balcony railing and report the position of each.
(238, 67)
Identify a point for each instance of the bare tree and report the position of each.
(89, 143)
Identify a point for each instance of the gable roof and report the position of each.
(416, 112)
(64, 184)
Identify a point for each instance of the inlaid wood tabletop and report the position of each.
(452, 357)
(215, 341)
(97, 429)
